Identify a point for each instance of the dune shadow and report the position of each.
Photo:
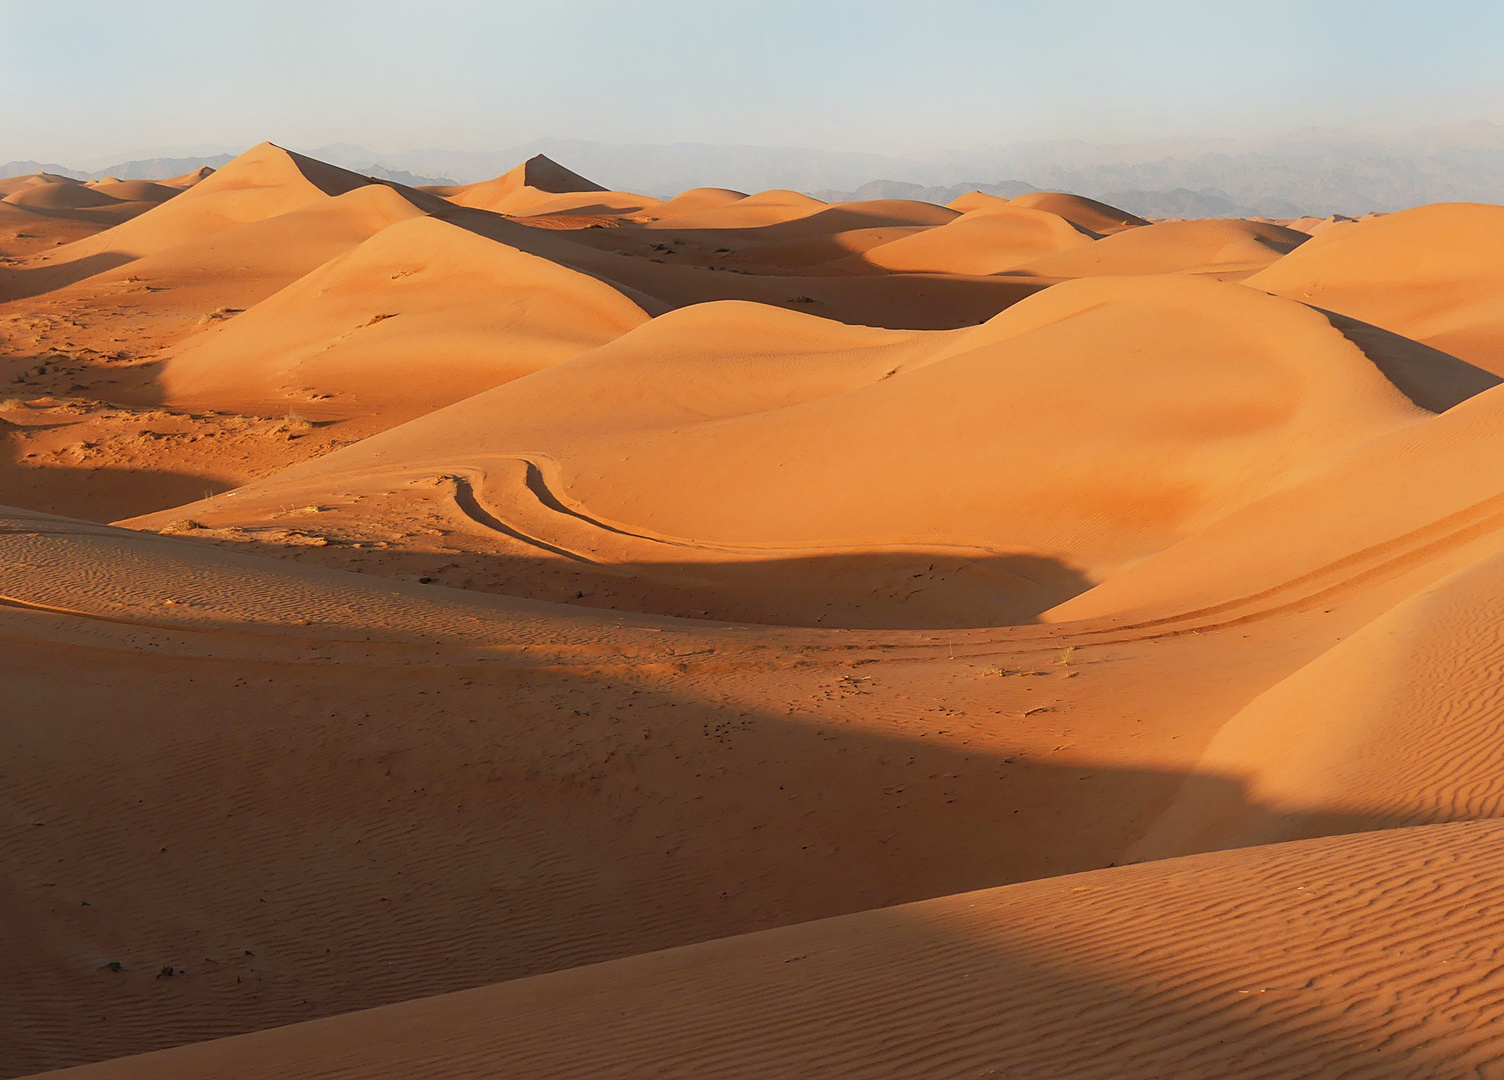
(897, 301)
(22, 282)
(379, 833)
(100, 494)
(1430, 378)
(869, 590)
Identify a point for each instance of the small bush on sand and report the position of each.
(295, 425)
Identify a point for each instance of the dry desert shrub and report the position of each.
(219, 314)
(295, 426)
(183, 525)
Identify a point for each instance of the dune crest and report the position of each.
(1433, 274)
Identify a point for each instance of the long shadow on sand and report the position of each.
(99, 494)
(20, 282)
(344, 831)
(868, 590)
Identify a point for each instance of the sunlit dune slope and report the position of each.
(1435, 273)
(751, 212)
(1366, 956)
(1222, 248)
(981, 241)
(67, 195)
(1087, 427)
(11, 185)
(1089, 214)
(976, 200)
(185, 289)
(188, 179)
(693, 201)
(137, 190)
(261, 183)
(415, 318)
(542, 186)
(1398, 724)
(1423, 499)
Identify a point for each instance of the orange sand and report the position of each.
(613, 635)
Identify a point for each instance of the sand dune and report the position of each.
(52, 211)
(419, 316)
(542, 186)
(979, 242)
(60, 196)
(1082, 212)
(138, 190)
(1398, 724)
(752, 212)
(1226, 249)
(679, 442)
(1412, 501)
(542, 605)
(694, 201)
(1433, 274)
(1274, 962)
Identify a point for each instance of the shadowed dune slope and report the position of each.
(372, 790)
(1269, 963)
(1226, 248)
(415, 318)
(979, 242)
(1435, 274)
(1093, 424)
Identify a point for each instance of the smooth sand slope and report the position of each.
(1227, 250)
(981, 241)
(42, 211)
(1369, 956)
(542, 186)
(1089, 214)
(419, 316)
(1071, 436)
(1435, 274)
(1400, 722)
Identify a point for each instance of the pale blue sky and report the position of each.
(84, 79)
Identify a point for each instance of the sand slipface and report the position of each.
(554, 631)
(1433, 274)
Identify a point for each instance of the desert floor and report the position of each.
(527, 629)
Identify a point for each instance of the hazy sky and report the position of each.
(85, 80)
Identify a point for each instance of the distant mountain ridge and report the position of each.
(1308, 172)
(164, 168)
